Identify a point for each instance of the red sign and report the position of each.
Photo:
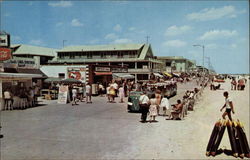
(5, 54)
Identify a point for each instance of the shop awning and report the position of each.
(158, 75)
(19, 75)
(103, 73)
(123, 75)
(167, 74)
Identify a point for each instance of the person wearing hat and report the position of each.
(144, 106)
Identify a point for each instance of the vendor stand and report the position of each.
(15, 82)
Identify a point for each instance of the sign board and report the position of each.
(120, 70)
(20, 63)
(102, 69)
(63, 94)
(5, 54)
(78, 73)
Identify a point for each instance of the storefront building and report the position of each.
(176, 64)
(137, 58)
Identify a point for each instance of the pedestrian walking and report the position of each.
(88, 93)
(121, 93)
(107, 93)
(74, 96)
(229, 106)
(112, 94)
(144, 106)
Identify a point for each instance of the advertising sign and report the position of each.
(78, 73)
(62, 95)
(120, 70)
(102, 69)
(20, 63)
(5, 54)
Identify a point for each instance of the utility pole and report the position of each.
(63, 42)
(147, 38)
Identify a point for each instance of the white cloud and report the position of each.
(6, 14)
(76, 23)
(59, 24)
(60, 4)
(37, 42)
(213, 13)
(111, 36)
(174, 43)
(234, 45)
(122, 40)
(15, 38)
(117, 27)
(174, 30)
(131, 29)
(94, 41)
(218, 34)
(211, 46)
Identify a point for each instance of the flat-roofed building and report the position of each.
(138, 58)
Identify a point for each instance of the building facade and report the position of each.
(137, 58)
(176, 64)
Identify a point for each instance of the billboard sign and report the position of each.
(78, 73)
(5, 54)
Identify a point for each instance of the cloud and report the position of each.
(131, 29)
(59, 24)
(117, 27)
(111, 36)
(233, 45)
(122, 40)
(211, 46)
(15, 38)
(37, 42)
(6, 15)
(218, 34)
(76, 23)
(213, 13)
(174, 43)
(174, 30)
(94, 41)
(60, 4)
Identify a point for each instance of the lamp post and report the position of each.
(203, 50)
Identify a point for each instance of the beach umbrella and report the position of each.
(71, 81)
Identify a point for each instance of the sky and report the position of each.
(172, 27)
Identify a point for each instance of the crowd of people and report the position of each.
(20, 98)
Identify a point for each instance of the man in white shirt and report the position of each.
(229, 106)
(144, 106)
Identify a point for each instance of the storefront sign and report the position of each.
(119, 70)
(5, 54)
(62, 95)
(20, 63)
(77, 73)
(102, 69)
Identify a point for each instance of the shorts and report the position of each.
(228, 110)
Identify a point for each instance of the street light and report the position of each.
(203, 50)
